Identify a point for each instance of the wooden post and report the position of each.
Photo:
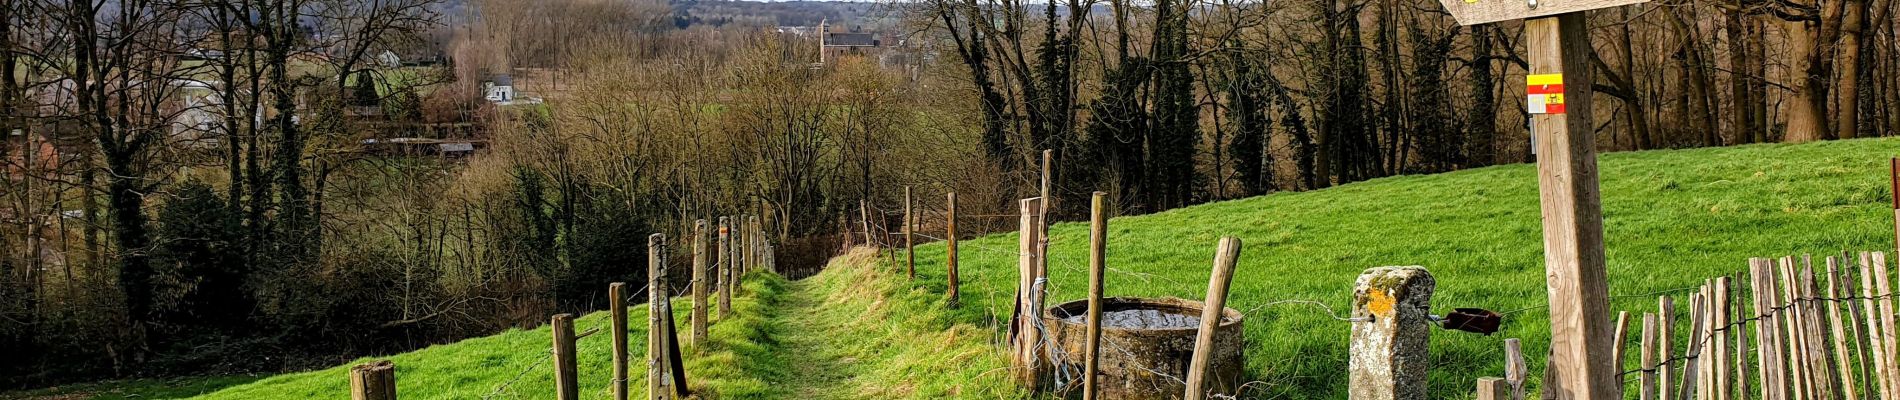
(950, 244)
(1098, 263)
(864, 212)
(1894, 193)
(1391, 327)
(566, 385)
(1665, 332)
(1493, 389)
(1884, 292)
(1692, 371)
(656, 292)
(1767, 349)
(1042, 221)
(1023, 337)
(373, 381)
(1843, 362)
(910, 244)
(617, 306)
(1515, 370)
(700, 282)
(1718, 348)
(1572, 213)
(758, 244)
(726, 283)
(1620, 338)
(1648, 384)
(1215, 305)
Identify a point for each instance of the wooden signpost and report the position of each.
(1558, 38)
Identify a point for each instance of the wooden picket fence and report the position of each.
(728, 252)
(1803, 329)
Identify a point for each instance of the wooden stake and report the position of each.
(373, 381)
(566, 375)
(864, 211)
(701, 282)
(1022, 337)
(1225, 257)
(1692, 371)
(1767, 338)
(1514, 368)
(1493, 389)
(656, 343)
(726, 283)
(1815, 334)
(1665, 336)
(1098, 263)
(1884, 291)
(617, 306)
(1648, 384)
(1621, 338)
(950, 244)
(1572, 214)
(1842, 361)
(1717, 339)
(1793, 348)
(1878, 347)
(910, 244)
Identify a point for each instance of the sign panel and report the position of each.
(1544, 93)
(1473, 12)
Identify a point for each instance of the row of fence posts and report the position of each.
(741, 246)
(1031, 359)
(1811, 342)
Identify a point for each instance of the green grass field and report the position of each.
(1673, 218)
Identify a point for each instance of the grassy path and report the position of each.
(860, 331)
(808, 345)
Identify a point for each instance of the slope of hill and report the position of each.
(1673, 218)
(858, 330)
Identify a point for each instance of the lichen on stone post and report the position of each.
(1391, 325)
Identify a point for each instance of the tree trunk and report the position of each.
(1847, 97)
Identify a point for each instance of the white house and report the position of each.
(499, 89)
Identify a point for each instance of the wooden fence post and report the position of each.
(864, 212)
(757, 254)
(700, 282)
(617, 305)
(656, 292)
(1213, 307)
(950, 244)
(1098, 263)
(373, 381)
(1022, 334)
(1493, 389)
(1515, 370)
(1647, 388)
(1391, 328)
(566, 386)
(1620, 338)
(1665, 322)
(726, 282)
(1768, 350)
(910, 244)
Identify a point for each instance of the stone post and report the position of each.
(1390, 330)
